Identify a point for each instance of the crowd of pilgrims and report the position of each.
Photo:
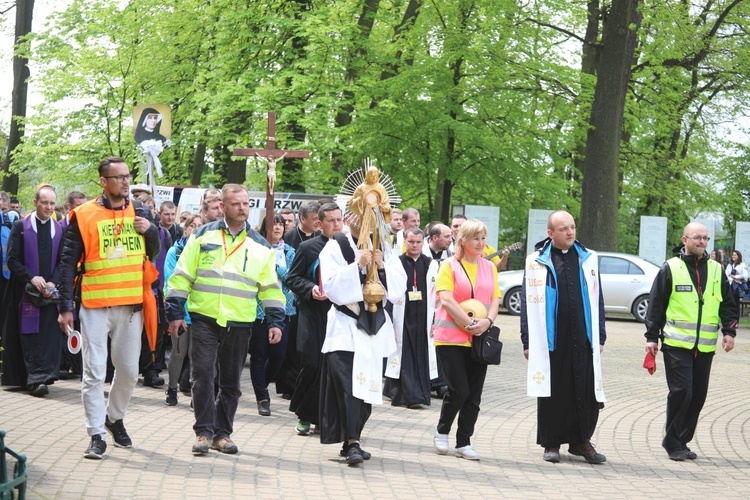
(413, 375)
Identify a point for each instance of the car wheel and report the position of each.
(640, 308)
(513, 301)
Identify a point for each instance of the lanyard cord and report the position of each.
(118, 227)
(468, 278)
(224, 241)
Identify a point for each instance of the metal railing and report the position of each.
(19, 473)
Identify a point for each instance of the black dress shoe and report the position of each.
(264, 409)
(678, 455)
(354, 455)
(690, 455)
(552, 455)
(39, 390)
(153, 381)
(441, 391)
(366, 455)
(587, 451)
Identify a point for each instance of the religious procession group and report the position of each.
(339, 308)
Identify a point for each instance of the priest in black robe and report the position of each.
(32, 339)
(562, 285)
(409, 369)
(312, 309)
(305, 230)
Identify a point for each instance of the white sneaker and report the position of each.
(441, 443)
(467, 453)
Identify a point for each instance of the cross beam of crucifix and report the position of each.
(271, 156)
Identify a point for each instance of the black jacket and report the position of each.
(661, 291)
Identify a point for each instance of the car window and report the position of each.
(616, 265)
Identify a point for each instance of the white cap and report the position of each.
(140, 187)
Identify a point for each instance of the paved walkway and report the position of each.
(274, 462)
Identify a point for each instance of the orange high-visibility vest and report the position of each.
(113, 256)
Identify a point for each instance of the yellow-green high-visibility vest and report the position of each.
(690, 325)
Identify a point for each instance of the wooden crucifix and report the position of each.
(271, 156)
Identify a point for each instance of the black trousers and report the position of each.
(465, 379)
(215, 348)
(286, 376)
(687, 379)
(342, 416)
(265, 358)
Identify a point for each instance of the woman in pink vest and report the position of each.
(464, 276)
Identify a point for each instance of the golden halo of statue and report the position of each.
(368, 195)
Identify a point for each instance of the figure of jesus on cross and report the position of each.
(271, 169)
(271, 156)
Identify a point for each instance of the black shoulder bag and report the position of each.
(485, 348)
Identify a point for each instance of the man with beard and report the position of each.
(113, 242)
(563, 334)
(312, 307)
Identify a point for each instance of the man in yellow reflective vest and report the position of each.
(225, 269)
(112, 240)
(690, 302)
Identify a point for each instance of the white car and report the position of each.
(626, 283)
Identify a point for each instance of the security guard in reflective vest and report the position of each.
(112, 241)
(690, 301)
(222, 274)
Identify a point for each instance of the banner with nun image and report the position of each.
(152, 130)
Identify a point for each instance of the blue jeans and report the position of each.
(265, 358)
(214, 413)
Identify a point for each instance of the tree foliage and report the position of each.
(484, 102)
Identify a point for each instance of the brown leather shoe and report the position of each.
(201, 445)
(587, 451)
(224, 445)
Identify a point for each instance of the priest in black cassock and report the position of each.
(562, 287)
(32, 339)
(312, 309)
(410, 368)
(357, 337)
(286, 377)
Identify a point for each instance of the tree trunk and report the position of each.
(292, 172)
(590, 57)
(444, 187)
(24, 12)
(344, 114)
(292, 167)
(598, 219)
(199, 163)
(236, 169)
